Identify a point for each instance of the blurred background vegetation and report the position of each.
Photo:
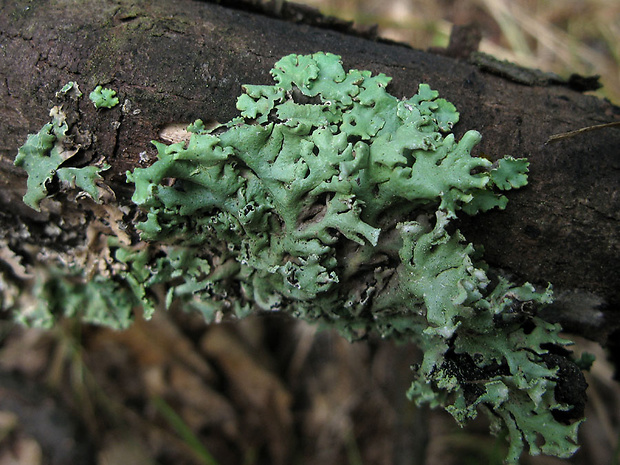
(565, 37)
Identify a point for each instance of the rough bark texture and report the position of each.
(174, 62)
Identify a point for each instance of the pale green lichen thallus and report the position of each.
(332, 200)
(45, 158)
(103, 97)
(335, 199)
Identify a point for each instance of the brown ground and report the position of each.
(266, 390)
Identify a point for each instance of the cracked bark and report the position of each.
(174, 62)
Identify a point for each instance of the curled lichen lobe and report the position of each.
(47, 156)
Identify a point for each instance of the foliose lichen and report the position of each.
(332, 200)
(103, 97)
(44, 156)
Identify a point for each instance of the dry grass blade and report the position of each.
(568, 135)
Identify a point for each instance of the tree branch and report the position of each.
(174, 62)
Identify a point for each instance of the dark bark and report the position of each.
(174, 62)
